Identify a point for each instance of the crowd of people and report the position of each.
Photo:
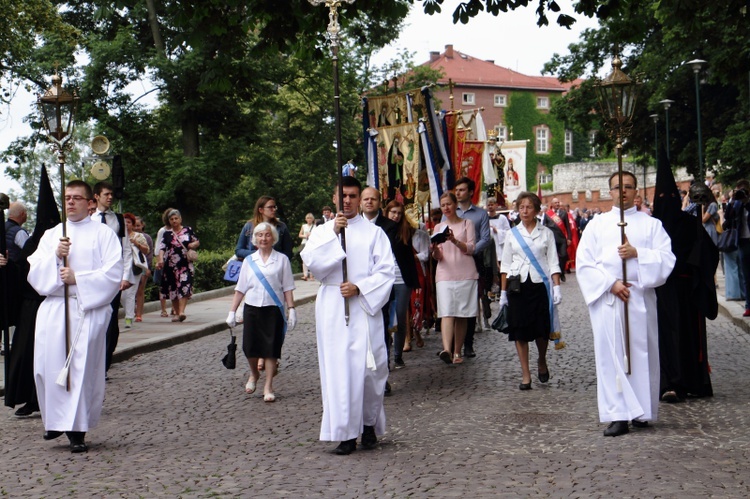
(396, 277)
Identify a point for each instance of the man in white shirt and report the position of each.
(104, 196)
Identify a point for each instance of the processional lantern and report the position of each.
(617, 97)
(58, 109)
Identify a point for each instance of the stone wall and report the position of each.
(585, 184)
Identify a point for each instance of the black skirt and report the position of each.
(528, 312)
(262, 332)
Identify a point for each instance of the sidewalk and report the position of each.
(205, 312)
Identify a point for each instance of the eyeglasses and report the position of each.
(75, 198)
(624, 187)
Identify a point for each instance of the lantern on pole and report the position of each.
(617, 98)
(58, 108)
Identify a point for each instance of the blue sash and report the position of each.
(269, 289)
(541, 272)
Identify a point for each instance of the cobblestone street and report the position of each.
(176, 423)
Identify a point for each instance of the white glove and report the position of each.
(503, 298)
(231, 322)
(291, 319)
(556, 295)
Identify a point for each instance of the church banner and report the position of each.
(398, 161)
(387, 110)
(515, 168)
(471, 165)
(487, 169)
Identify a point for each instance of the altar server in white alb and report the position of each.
(353, 361)
(647, 252)
(93, 274)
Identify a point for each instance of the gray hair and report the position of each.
(173, 213)
(263, 226)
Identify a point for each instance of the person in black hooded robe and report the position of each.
(19, 383)
(688, 297)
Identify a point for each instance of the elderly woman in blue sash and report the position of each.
(530, 283)
(265, 284)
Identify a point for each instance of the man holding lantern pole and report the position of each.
(85, 266)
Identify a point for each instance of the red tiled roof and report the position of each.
(464, 69)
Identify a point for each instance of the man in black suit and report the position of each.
(561, 243)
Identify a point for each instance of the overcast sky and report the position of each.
(512, 40)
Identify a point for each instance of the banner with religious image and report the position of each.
(387, 110)
(471, 165)
(398, 161)
(515, 168)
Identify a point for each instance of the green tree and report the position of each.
(657, 39)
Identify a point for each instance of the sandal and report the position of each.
(164, 313)
(182, 317)
(269, 397)
(138, 318)
(250, 386)
(175, 319)
(445, 357)
(457, 359)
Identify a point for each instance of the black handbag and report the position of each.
(728, 240)
(501, 321)
(513, 284)
(230, 359)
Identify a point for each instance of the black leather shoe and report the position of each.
(77, 443)
(639, 424)
(469, 352)
(387, 391)
(525, 386)
(543, 377)
(369, 439)
(26, 411)
(616, 428)
(346, 447)
(51, 434)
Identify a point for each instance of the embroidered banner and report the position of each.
(515, 168)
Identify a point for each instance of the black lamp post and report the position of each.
(697, 65)
(617, 97)
(58, 108)
(666, 103)
(654, 117)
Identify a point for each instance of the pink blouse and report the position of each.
(453, 264)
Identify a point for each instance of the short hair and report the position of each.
(449, 194)
(535, 201)
(100, 186)
(743, 184)
(326, 208)
(435, 212)
(129, 216)
(265, 226)
(624, 172)
(16, 209)
(83, 185)
(349, 181)
(470, 184)
(173, 212)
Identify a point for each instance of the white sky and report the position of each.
(512, 40)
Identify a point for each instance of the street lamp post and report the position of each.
(58, 108)
(666, 103)
(654, 117)
(333, 35)
(617, 96)
(697, 64)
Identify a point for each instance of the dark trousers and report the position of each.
(113, 331)
(386, 320)
(745, 262)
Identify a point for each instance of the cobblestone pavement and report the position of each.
(177, 424)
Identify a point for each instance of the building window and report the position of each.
(502, 133)
(501, 100)
(568, 142)
(542, 102)
(542, 140)
(468, 99)
(592, 143)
